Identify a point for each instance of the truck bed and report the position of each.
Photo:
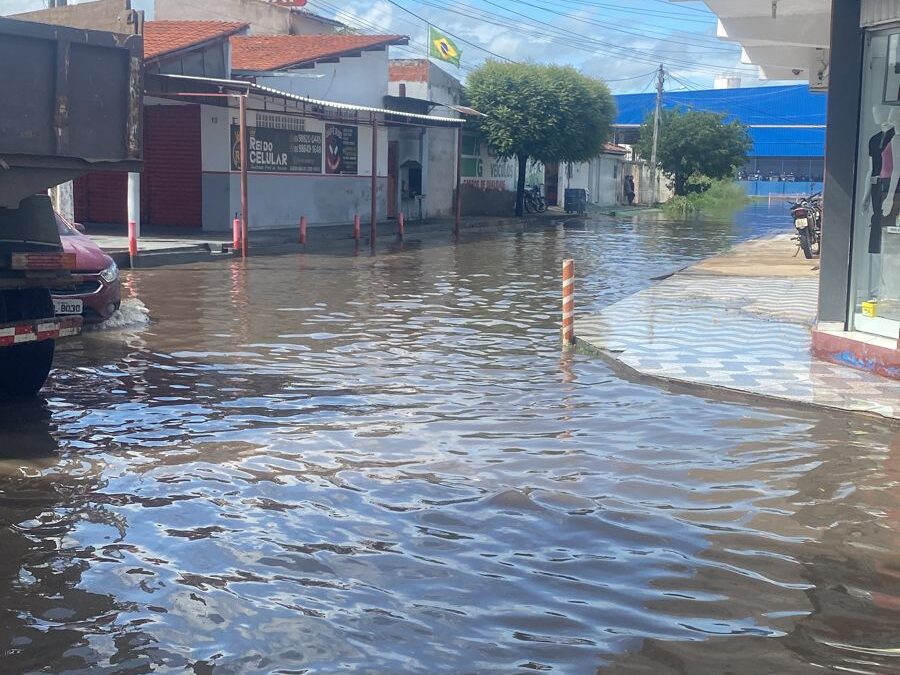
(73, 104)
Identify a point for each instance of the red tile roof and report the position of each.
(272, 52)
(163, 37)
(409, 70)
(614, 149)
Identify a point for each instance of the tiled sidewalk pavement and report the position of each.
(748, 334)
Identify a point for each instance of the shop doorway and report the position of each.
(551, 183)
(172, 183)
(393, 177)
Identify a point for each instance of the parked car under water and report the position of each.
(97, 292)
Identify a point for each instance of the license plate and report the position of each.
(801, 223)
(66, 306)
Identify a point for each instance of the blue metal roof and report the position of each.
(784, 121)
(787, 142)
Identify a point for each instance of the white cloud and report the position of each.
(8, 7)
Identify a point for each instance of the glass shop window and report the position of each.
(875, 270)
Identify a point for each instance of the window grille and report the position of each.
(270, 121)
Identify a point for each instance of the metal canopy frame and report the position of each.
(184, 87)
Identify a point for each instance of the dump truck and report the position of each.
(72, 102)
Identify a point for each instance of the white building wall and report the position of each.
(441, 177)
(361, 80)
(215, 137)
(264, 18)
(413, 89)
(277, 200)
(602, 177)
(443, 88)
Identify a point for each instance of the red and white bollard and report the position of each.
(356, 227)
(400, 225)
(568, 302)
(303, 229)
(236, 234)
(132, 241)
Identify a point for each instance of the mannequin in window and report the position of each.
(881, 188)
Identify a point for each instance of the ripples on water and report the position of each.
(325, 462)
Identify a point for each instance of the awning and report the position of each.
(404, 103)
(786, 39)
(465, 110)
(181, 87)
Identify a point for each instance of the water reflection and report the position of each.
(311, 463)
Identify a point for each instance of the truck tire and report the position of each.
(24, 368)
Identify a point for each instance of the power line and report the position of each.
(563, 36)
(420, 49)
(619, 28)
(685, 7)
(650, 82)
(461, 39)
(550, 33)
(631, 11)
(625, 79)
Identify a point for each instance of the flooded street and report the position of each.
(327, 462)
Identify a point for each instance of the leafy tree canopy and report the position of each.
(540, 112)
(695, 143)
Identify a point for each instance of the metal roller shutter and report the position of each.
(101, 197)
(171, 185)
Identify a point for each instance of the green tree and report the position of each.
(540, 112)
(695, 143)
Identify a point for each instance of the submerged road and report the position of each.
(317, 463)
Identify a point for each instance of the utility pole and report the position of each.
(660, 80)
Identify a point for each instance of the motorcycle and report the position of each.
(534, 200)
(807, 215)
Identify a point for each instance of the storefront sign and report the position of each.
(281, 150)
(341, 149)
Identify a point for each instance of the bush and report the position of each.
(719, 196)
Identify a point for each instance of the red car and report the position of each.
(97, 292)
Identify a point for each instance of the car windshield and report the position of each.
(65, 228)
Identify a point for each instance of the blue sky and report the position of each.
(619, 41)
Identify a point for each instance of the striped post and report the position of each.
(132, 241)
(356, 227)
(568, 302)
(400, 225)
(303, 229)
(236, 234)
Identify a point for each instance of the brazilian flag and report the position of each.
(442, 47)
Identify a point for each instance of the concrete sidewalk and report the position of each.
(738, 322)
(170, 246)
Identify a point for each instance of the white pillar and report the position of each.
(134, 202)
(62, 197)
(66, 200)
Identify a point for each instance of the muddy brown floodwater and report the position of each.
(385, 464)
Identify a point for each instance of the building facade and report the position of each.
(310, 153)
(602, 177)
(852, 48)
(424, 160)
(263, 18)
